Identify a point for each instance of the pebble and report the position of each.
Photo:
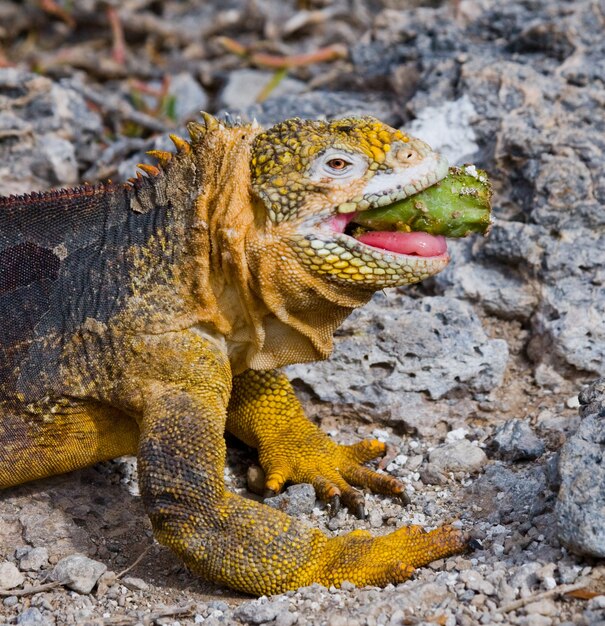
(475, 581)
(295, 500)
(32, 616)
(78, 572)
(10, 576)
(598, 602)
(33, 560)
(375, 518)
(458, 456)
(135, 584)
(258, 612)
(535, 620)
(516, 441)
(255, 479)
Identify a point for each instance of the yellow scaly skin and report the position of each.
(242, 273)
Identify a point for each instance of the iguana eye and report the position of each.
(338, 164)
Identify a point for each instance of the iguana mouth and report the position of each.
(408, 243)
(433, 168)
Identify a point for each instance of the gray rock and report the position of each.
(430, 474)
(190, 97)
(516, 441)
(500, 291)
(55, 160)
(78, 572)
(10, 576)
(458, 456)
(244, 86)
(260, 612)
(320, 105)
(547, 377)
(10, 601)
(396, 347)
(507, 495)
(34, 559)
(581, 502)
(46, 525)
(33, 616)
(47, 129)
(569, 329)
(295, 500)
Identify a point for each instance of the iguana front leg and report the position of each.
(265, 413)
(224, 537)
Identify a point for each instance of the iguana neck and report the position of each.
(249, 286)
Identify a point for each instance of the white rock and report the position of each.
(458, 456)
(78, 572)
(244, 86)
(447, 128)
(10, 576)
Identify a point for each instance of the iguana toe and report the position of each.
(363, 559)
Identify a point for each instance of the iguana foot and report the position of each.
(332, 469)
(363, 559)
(265, 413)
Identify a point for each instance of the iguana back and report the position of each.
(62, 260)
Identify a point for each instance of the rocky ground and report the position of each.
(472, 379)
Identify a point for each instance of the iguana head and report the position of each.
(280, 265)
(313, 177)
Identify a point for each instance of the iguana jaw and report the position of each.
(330, 248)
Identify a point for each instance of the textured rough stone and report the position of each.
(506, 495)
(46, 130)
(78, 572)
(397, 347)
(516, 441)
(580, 508)
(321, 105)
(295, 500)
(135, 584)
(458, 456)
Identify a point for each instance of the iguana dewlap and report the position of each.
(145, 318)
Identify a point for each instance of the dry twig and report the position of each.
(135, 563)
(28, 591)
(150, 618)
(555, 591)
(274, 61)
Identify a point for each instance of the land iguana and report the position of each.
(147, 317)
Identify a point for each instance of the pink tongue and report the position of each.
(420, 244)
